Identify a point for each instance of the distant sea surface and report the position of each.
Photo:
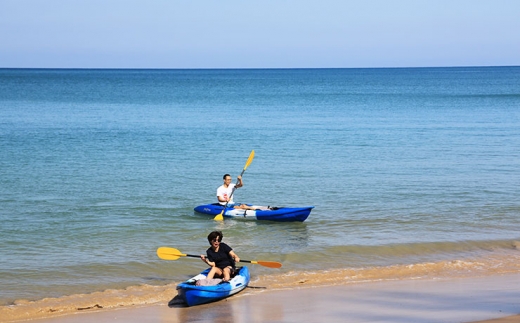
(413, 172)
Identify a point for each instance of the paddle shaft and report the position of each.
(168, 253)
(220, 216)
(233, 191)
(195, 256)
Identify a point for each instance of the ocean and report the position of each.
(413, 172)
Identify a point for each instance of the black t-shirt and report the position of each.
(222, 259)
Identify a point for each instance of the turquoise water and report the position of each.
(99, 168)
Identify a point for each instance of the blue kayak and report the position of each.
(192, 294)
(280, 214)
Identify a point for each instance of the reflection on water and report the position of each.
(223, 313)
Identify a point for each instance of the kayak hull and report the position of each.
(193, 295)
(281, 214)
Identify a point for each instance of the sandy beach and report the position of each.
(494, 298)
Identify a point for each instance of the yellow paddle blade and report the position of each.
(219, 217)
(168, 253)
(250, 159)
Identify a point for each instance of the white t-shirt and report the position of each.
(225, 192)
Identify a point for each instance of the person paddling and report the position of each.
(220, 257)
(225, 193)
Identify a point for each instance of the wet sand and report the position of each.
(417, 301)
(508, 319)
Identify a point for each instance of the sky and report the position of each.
(258, 34)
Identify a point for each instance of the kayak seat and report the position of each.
(208, 282)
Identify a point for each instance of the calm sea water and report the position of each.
(405, 167)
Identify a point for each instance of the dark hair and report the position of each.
(225, 175)
(214, 235)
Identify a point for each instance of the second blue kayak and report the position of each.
(280, 214)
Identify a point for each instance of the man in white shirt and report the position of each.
(225, 192)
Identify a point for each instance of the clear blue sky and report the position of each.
(258, 34)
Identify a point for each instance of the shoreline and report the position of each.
(476, 299)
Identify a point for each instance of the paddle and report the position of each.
(168, 253)
(220, 217)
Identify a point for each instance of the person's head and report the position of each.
(215, 237)
(227, 178)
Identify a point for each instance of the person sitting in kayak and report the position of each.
(225, 193)
(220, 257)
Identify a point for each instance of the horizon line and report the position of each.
(248, 68)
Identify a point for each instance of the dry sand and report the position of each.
(417, 301)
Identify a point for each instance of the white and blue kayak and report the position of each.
(193, 294)
(280, 214)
